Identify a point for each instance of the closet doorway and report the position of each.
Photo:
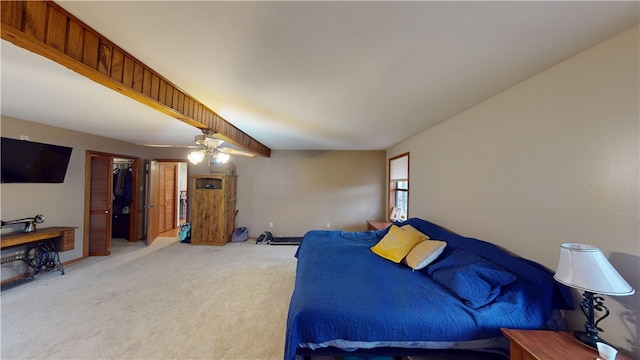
(122, 200)
(111, 201)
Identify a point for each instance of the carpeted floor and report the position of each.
(165, 301)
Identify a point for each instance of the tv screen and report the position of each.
(32, 162)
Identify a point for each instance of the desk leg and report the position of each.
(43, 256)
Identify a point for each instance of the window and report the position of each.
(402, 195)
(399, 184)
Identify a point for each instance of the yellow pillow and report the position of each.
(424, 253)
(398, 242)
(415, 231)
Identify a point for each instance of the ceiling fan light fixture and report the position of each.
(220, 158)
(211, 148)
(196, 157)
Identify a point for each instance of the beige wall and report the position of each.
(554, 159)
(302, 190)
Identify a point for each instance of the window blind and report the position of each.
(399, 169)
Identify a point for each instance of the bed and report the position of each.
(350, 299)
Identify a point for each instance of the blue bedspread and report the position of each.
(345, 291)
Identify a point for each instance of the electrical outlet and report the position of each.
(328, 225)
(270, 224)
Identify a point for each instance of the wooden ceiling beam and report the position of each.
(45, 28)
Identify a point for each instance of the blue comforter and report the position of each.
(344, 291)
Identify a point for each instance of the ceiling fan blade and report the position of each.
(232, 151)
(205, 140)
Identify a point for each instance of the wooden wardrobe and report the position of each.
(213, 209)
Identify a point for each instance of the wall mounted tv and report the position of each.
(32, 162)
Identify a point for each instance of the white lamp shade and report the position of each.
(584, 267)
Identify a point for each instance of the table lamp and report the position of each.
(585, 268)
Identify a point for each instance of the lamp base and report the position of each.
(588, 339)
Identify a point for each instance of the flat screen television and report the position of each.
(32, 162)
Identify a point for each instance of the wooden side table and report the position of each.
(549, 345)
(378, 224)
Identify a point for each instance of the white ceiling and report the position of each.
(309, 75)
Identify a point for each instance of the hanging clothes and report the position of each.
(127, 191)
(118, 187)
(122, 191)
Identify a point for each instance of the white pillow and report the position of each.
(424, 253)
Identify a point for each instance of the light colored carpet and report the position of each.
(165, 301)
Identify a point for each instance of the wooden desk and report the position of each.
(42, 247)
(378, 224)
(549, 345)
(65, 234)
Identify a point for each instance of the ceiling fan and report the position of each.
(212, 147)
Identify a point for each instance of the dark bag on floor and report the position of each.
(240, 234)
